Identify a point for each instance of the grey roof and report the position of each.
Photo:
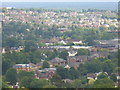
(39, 64)
(57, 60)
(74, 64)
(78, 57)
(99, 54)
(31, 64)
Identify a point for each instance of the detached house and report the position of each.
(57, 61)
(72, 59)
(75, 61)
(25, 67)
(77, 42)
(46, 73)
(99, 54)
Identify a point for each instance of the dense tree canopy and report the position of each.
(82, 52)
(104, 83)
(22, 74)
(102, 75)
(39, 83)
(11, 75)
(63, 55)
(26, 82)
(45, 64)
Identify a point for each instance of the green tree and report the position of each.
(41, 44)
(73, 73)
(104, 83)
(11, 75)
(6, 64)
(77, 84)
(12, 42)
(63, 72)
(91, 36)
(26, 81)
(113, 77)
(117, 70)
(70, 43)
(93, 66)
(90, 41)
(63, 55)
(39, 83)
(50, 55)
(102, 75)
(49, 86)
(36, 56)
(55, 78)
(82, 69)
(45, 64)
(102, 28)
(91, 81)
(22, 74)
(82, 52)
(108, 66)
(3, 83)
(30, 45)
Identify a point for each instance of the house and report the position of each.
(59, 47)
(77, 42)
(72, 51)
(75, 61)
(25, 67)
(45, 73)
(33, 66)
(17, 49)
(94, 55)
(3, 51)
(62, 29)
(39, 64)
(63, 42)
(67, 80)
(100, 73)
(72, 59)
(92, 76)
(74, 41)
(57, 61)
(84, 47)
(9, 7)
(47, 42)
(75, 64)
(118, 83)
(46, 48)
(110, 44)
(16, 86)
(67, 66)
(117, 75)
